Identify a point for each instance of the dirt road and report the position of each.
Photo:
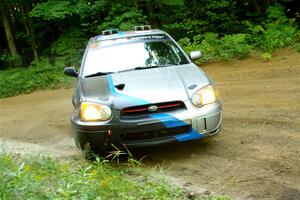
(257, 155)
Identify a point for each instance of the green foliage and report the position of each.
(70, 47)
(277, 33)
(215, 48)
(10, 61)
(197, 17)
(276, 13)
(220, 29)
(45, 178)
(277, 36)
(86, 9)
(186, 27)
(235, 46)
(123, 18)
(220, 12)
(40, 75)
(52, 10)
(172, 2)
(270, 38)
(51, 26)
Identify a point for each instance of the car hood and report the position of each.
(148, 86)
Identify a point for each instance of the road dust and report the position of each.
(256, 156)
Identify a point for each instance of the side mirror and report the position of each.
(70, 71)
(195, 55)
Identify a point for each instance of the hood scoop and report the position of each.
(120, 86)
(193, 86)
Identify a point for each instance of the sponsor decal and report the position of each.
(113, 39)
(148, 37)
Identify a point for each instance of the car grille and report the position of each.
(144, 109)
(128, 136)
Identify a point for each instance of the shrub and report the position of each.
(278, 32)
(70, 47)
(10, 61)
(274, 36)
(215, 48)
(39, 75)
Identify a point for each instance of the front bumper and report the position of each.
(177, 126)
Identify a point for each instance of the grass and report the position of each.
(46, 178)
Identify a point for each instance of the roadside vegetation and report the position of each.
(263, 38)
(46, 178)
(40, 75)
(44, 36)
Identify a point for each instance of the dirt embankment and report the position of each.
(257, 155)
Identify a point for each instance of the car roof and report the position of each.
(124, 34)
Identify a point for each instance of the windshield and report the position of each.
(113, 56)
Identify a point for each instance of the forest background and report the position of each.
(38, 38)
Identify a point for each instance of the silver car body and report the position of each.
(156, 89)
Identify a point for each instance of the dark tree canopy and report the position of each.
(60, 28)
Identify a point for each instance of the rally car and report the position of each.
(137, 89)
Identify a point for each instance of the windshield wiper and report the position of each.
(145, 67)
(137, 68)
(98, 74)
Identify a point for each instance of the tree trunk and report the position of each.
(150, 12)
(257, 7)
(261, 6)
(28, 27)
(7, 28)
(28, 23)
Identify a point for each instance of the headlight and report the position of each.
(93, 112)
(205, 95)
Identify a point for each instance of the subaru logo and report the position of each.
(152, 108)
